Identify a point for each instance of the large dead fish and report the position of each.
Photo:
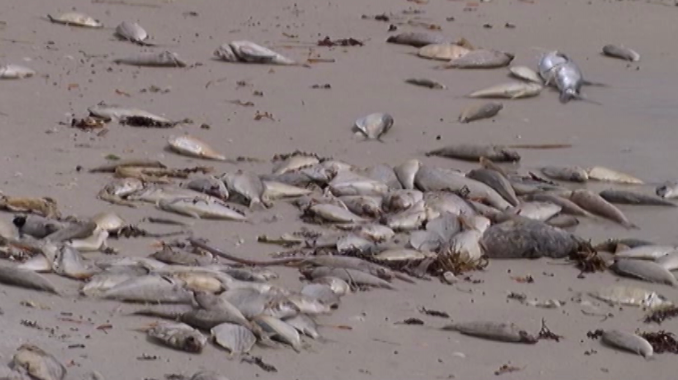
(644, 270)
(628, 342)
(163, 59)
(201, 208)
(526, 238)
(279, 330)
(249, 52)
(633, 198)
(248, 186)
(594, 203)
(25, 279)
(630, 296)
(69, 263)
(481, 59)
(151, 289)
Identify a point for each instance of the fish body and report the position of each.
(235, 338)
(595, 204)
(38, 363)
(630, 296)
(634, 198)
(525, 73)
(510, 90)
(131, 31)
(621, 52)
(601, 173)
(250, 52)
(201, 208)
(472, 152)
(541, 211)
(425, 82)
(479, 111)
(548, 63)
(644, 270)
(249, 186)
(11, 71)
(569, 80)
(498, 331)
(497, 181)
(628, 342)
(481, 59)
(69, 263)
(150, 289)
(194, 147)
(406, 172)
(442, 52)
(527, 238)
(669, 261)
(117, 112)
(566, 173)
(162, 59)
(416, 39)
(24, 278)
(209, 185)
(179, 336)
(374, 126)
(76, 19)
(279, 330)
(566, 205)
(435, 179)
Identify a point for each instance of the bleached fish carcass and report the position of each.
(248, 51)
(162, 59)
(76, 19)
(38, 363)
(131, 31)
(442, 52)
(201, 208)
(511, 90)
(374, 126)
(179, 336)
(12, 71)
(194, 147)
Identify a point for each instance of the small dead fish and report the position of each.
(628, 341)
(525, 73)
(295, 162)
(335, 214)
(37, 226)
(162, 59)
(150, 289)
(279, 330)
(354, 184)
(633, 198)
(99, 283)
(667, 190)
(277, 190)
(600, 173)
(305, 325)
(668, 261)
(179, 336)
(472, 152)
(337, 285)
(108, 221)
(566, 173)
(428, 83)
(175, 256)
(569, 80)
(563, 221)
(25, 279)
(374, 126)
(498, 331)
(541, 211)
(400, 200)
(362, 205)
(621, 52)
(109, 112)
(644, 270)
(630, 296)
(194, 147)
(209, 185)
(481, 59)
(69, 263)
(250, 52)
(496, 181)
(595, 204)
(15, 72)
(207, 375)
(442, 52)
(235, 338)
(76, 19)
(408, 219)
(131, 31)
(321, 292)
(249, 186)
(171, 312)
(480, 111)
(75, 231)
(117, 112)
(416, 39)
(309, 305)
(510, 90)
(406, 172)
(645, 252)
(38, 363)
(200, 208)
(567, 206)
(351, 276)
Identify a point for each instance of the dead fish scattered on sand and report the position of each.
(634, 198)
(480, 111)
(178, 335)
(498, 331)
(628, 342)
(249, 52)
(200, 208)
(26, 279)
(470, 152)
(121, 113)
(481, 59)
(630, 296)
(76, 19)
(621, 52)
(374, 126)
(162, 59)
(442, 52)
(194, 147)
(12, 71)
(428, 83)
(525, 73)
(645, 252)
(416, 39)
(133, 32)
(565, 173)
(595, 204)
(601, 173)
(235, 338)
(644, 270)
(511, 90)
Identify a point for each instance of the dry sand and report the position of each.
(633, 131)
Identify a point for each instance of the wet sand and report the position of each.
(633, 131)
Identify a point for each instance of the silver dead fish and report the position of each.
(374, 126)
(628, 341)
(162, 59)
(76, 19)
(481, 59)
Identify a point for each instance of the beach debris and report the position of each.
(498, 331)
(38, 363)
(661, 341)
(250, 52)
(428, 83)
(12, 71)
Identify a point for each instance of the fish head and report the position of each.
(653, 300)
(526, 337)
(193, 343)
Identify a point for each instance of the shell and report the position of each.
(76, 19)
(442, 52)
(194, 147)
(375, 125)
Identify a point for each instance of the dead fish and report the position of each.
(472, 152)
(362, 205)
(251, 302)
(400, 200)
(409, 219)
(594, 203)
(194, 147)
(12, 71)
(335, 214)
(133, 32)
(498, 331)
(209, 185)
(668, 261)
(38, 363)
(526, 238)
(9, 231)
(178, 335)
(496, 181)
(154, 194)
(354, 184)
(207, 375)
(99, 283)
(628, 341)
(442, 52)
(667, 190)
(416, 39)
(645, 252)
(436, 179)
(225, 53)
(108, 221)
(428, 83)
(569, 80)
(600, 173)
(630, 296)
(351, 276)
(77, 230)
(117, 112)
(566, 173)
(162, 59)
(93, 243)
(321, 292)
(170, 312)
(309, 305)
(480, 111)
(69, 263)
(445, 226)
(337, 285)
(644, 270)
(76, 19)
(279, 330)
(621, 52)
(541, 211)
(563, 221)
(466, 245)
(250, 52)
(525, 73)
(151, 289)
(633, 198)
(295, 162)
(547, 64)
(171, 255)
(375, 232)
(617, 245)
(406, 172)
(374, 126)
(249, 186)
(277, 190)
(481, 59)
(510, 90)
(235, 338)
(37, 226)
(25, 279)
(566, 205)
(382, 173)
(304, 324)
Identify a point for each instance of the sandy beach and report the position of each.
(632, 131)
